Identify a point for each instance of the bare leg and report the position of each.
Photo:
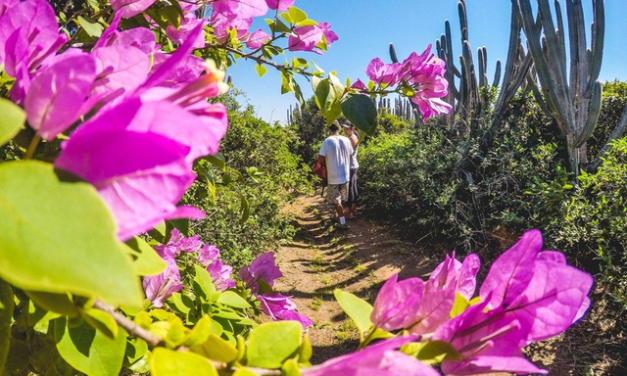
(339, 209)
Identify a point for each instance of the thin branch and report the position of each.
(128, 325)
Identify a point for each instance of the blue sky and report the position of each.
(366, 28)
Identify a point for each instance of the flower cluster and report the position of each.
(421, 75)
(234, 18)
(263, 270)
(528, 295)
(148, 123)
(160, 287)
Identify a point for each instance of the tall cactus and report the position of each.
(572, 94)
(465, 82)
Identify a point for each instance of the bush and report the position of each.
(594, 223)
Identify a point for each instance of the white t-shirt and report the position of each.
(337, 150)
(354, 163)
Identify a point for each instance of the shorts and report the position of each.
(336, 193)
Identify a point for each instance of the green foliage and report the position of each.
(44, 237)
(13, 118)
(593, 221)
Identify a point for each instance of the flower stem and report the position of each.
(32, 147)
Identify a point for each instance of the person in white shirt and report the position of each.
(353, 192)
(335, 153)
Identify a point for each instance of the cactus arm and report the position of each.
(598, 41)
(561, 45)
(497, 74)
(463, 20)
(393, 53)
(557, 66)
(482, 64)
(616, 133)
(593, 116)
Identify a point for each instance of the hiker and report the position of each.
(353, 192)
(335, 153)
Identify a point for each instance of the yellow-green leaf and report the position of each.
(11, 121)
(60, 237)
(164, 362)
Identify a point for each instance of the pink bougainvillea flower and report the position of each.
(188, 24)
(397, 303)
(358, 85)
(257, 39)
(120, 69)
(130, 8)
(414, 64)
(330, 35)
(479, 336)
(221, 275)
(511, 273)
(160, 287)
(137, 160)
(382, 73)
(179, 243)
(380, 359)
(240, 8)
(262, 268)
(305, 38)
(208, 254)
(6, 4)
(139, 37)
(431, 107)
(58, 95)
(528, 296)
(280, 308)
(37, 21)
(449, 278)
(222, 25)
(280, 5)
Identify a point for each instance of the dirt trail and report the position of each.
(321, 259)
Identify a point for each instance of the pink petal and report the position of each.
(56, 95)
(119, 67)
(513, 270)
(280, 5)
(130, 8)
(305, 39)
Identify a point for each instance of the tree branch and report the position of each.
(128, 325)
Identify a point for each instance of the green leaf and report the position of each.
(147, 261)
(360, 110)
(136, 348)
(165, 16)
(244, 209)
(93, 29)
(6, 315)
(182, 303)
(244, 372)
(306, 351)
(88, 350)
(231, 299)
(203, 284)
(357, 309)
(11, 121)
(200, 333)
(271, 344)
(460, 305)
(102, 321)
(261, 70)
(296, 14)
(216, 160)
(337, 86)
(164, 362)
(159, 233)
(432, 352)
(325, 96)
(59, 303)
(60, 237)
(290, 368)
(215, 348)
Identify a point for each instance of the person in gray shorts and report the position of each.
(335, 153)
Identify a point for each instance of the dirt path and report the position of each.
(322, 259)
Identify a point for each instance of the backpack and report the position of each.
(320, 170)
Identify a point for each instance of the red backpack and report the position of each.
(320, 170)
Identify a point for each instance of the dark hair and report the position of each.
(348, 124)
(335, 126)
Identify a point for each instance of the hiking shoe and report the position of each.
(343, 227)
